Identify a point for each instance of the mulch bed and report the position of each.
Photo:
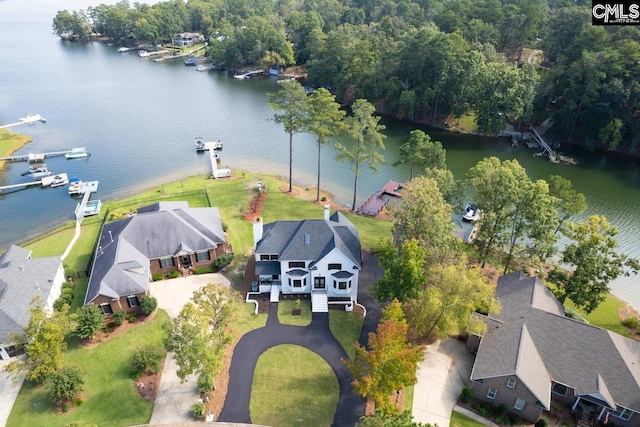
(103, 336)
(148, 384)
(255, 207)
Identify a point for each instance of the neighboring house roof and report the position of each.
(539, 344)
(188, 35)
(164, 229)
(21, 279)
(310, 239)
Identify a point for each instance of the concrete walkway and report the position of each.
(174, 400)
(316, 337)
(8, 393)
(442, 374)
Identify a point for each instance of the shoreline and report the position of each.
(15, 141)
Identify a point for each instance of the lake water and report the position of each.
(138, 119)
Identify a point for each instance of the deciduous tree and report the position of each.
(381, 419)
(43, 341)
(66, 383)
(452, 293)
(404, 271)
(325, 120)
(291, 111)
(594, 262)
(388, 365)
(198, 335)
(568, 202)
(364, 129)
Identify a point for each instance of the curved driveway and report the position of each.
(316, 337)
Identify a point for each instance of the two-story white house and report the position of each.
(321, 257)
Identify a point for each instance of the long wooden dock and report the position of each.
(26, 120)
(87, 188)
(31, 157)
(4, 188)
(248, 74)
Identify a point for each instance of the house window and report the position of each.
(559, 389)
(479, 381)
(297, 283)
(519, 404)
(106, 308)
(491, 394)
(511, 383)
(203, 256)
(273, 257)
(297, 264)
(622, 413)
(335, 267)
(133, 301)
(264, 257)
(275, 277)
(166, 262)
(342, 286)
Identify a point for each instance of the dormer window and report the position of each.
(297, 264)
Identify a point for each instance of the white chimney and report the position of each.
(327, 214)
(257, 230)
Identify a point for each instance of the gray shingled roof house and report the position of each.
(21, 279)
(160, 238)
(532, 354)
(321, 257)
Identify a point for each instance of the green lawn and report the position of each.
(346, 327)
(408, 398)
(111, 398)
(286, 318)
(305, 394)
(247, 321)
(605, 316)
(459, 420)
(10, 143)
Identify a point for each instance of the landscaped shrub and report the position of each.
(206, 382)
(89, 319)
(67, 294)
(131, 318)
(503, 420)
(225, 227)
(466, 395)
(223, 260)
(67, 285)
(198, 410)
(173, 274)
(66, 383)
(148, 304)
(516, 419)
(157, 276)
(118, 316)
(631, 322)
(145, 361)
(542, 422)
(502, 410)
(486, 410)
(204, 270)
(69, 273)
(78, 402)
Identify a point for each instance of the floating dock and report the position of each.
(4, 188)
(214, 158)
(248, 74)
(26, 120)
(87, 188)
(148, 54)
(31, 157)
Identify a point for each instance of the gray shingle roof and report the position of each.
(588, 359)
(159, 230)
(287, 239)
(264, 268)
(22, 278)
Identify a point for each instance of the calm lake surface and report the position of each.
(138, 119)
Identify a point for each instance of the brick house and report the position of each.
(317, 257)
(21, 279)
(532, 354)
(160, 238)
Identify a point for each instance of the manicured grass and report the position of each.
(408, 398)
(286, 318)
(53, 245)
(111, 397)
(293, 386)
(345, 327)
(460, 420)
(247, 321)
(605, 316)
(371, 230)
(11, 142)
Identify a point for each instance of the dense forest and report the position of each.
(499, 61)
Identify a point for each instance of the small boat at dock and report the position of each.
(75, 188)
(471, 213)
(202, 145)
(59, 180)
(40, 172)
(192, 60)
(77, 153)
(205, 67)
(34, 169)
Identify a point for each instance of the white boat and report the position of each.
(59, 180)
(75, 188)
(471, 213)
(92, 208)
(123, 49)
(40, 172)
(202, 145)
(205, 67)
(77, 153)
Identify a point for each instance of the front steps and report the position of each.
(319, 302)
(275, 293)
